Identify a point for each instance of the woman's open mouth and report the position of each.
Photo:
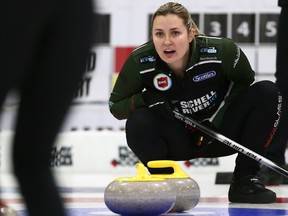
(169, 53)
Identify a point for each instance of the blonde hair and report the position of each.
(181, 12)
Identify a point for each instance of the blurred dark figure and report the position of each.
(277, 148)
(43, 51)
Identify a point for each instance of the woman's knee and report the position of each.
(262, 94)
(141, 119)
(265, 89)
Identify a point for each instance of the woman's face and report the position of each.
(171, 40)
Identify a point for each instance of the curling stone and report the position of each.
(187, 189)
(139, 195)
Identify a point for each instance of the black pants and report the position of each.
(276, 151)
(249, 120)
(43, 51)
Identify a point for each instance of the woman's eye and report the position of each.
(159, 34)
(175, 33)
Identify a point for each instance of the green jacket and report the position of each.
(216, 73)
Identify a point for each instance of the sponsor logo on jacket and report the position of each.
(198, 104)
(147, 59)
(204, 76)
(208, 50)
(206, 58)
(162, 82)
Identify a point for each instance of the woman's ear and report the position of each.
(191, 35)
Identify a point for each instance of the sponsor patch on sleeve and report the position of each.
(208, 50)
(147, 59)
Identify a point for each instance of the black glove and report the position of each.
(200, 139)
(158, 104)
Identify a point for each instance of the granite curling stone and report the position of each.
(139, 195)
(187, 189)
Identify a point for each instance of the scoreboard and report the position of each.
(243, 28)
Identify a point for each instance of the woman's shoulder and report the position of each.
(212, 40)
(216, 45)
(146, 48)
(144, 53)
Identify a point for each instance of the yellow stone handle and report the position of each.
(178, 172)
(141, 175)
(141, 171)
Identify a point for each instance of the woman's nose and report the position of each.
(167, 40)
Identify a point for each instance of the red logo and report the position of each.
(162, 82)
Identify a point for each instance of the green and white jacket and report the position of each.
(216, 73)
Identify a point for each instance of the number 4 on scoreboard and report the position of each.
(243, 28)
